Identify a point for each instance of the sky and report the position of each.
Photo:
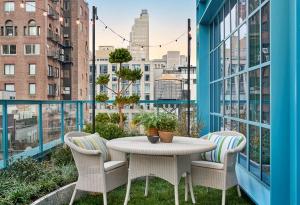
(168, 20)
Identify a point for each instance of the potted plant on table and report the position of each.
(150, 124)
(167, 124)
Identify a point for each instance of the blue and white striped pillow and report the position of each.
(92, 142)
(224, 143)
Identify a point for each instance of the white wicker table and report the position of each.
(168, 161)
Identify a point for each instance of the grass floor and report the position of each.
(162, 193)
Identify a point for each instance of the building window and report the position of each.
(147, 88)
(33, 29)
(9, 49)
(240, 71)
(32, 69)
(103, 69)
(9, 6)
(10, 87)
(30, 6)
(9, 29)
(147, 77)
(32, 88)
(9, 69)
(114, 68)
(147, 68)
(52, 89)
(32, 49)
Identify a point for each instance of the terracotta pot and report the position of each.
(152, 132)
(166, 137)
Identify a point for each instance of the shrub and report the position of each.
(107, 130)
(167, 122)
(62, 156)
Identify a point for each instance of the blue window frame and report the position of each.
(240, 79)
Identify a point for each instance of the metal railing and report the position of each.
(31, 128)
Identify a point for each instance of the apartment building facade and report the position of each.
(44, 49)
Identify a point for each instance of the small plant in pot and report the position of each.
(150, 124)
(167, 124)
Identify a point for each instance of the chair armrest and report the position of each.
(83, 151)
(116, 155)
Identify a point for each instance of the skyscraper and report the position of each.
(44, 49)
(139, 38)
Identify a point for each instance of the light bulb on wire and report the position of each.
(45, 13)
(61, 19)
(22, 5)
(77, 21)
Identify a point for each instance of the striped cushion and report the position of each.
(224, 143)
(92, 142)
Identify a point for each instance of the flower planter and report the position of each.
(166, 137)
(152, 132)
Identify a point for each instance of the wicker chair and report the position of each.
(218, 175)
(95, 175)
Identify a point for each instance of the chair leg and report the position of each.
(104, 198)
(191, 188)
(223, 197)
(127, 192)
(239, 191)
(186, 191)
(73, 196)
(147, 186)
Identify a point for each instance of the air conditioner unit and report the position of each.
(66, 35)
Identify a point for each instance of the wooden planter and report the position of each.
(166, 137)
(152, 132)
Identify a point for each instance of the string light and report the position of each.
(22, 5)
(45, 13)
(77, 21)
(61, 19)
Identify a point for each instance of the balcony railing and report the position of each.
(31, 128)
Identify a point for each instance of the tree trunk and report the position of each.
(121, 122)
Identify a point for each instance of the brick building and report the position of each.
(44, 49)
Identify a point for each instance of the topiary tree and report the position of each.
(124, 75)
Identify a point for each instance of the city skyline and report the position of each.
(163, 28)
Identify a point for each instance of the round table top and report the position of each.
(179, 146)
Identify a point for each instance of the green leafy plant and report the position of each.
(148, 120)
(109, 118)
(167, 122)
(107, 130)
(124, 76)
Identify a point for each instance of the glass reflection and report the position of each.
(242, 10)
(243, 87)
(254, 41)
(51, 122)
(243, 130)
(254, 152)
(216, 65)
(227, 18)
(253, 4)
(234, 53)
(254, 95)
(221, 59)
(265, 33)
(234, 96)
(265, 137)
(234, 125)
(218, 97)
(216, 32)
(227, 97)
(211, 36)
(211, 98)
(265, 95)
(243, 46)
(227, 57)
(233, 13)
(227, 124)
(212, 66)
(221, 19)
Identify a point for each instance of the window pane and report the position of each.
(218, 97)
(221, 60)
(243, 156)
(243, 88)
(265, 95)
(234, 96)
(265, 137)
(13, 49)
(211, 98)
(253, 4)
(254, 41)
(211, 66)
(211, 36)
(227, 57)
(242, 10)
(254, 146)
(243, 46)
(233, 13)
(216, 74)
(216, 32)
(234, 53)
(227, 97)
(30, 6)
(254, 95)
(221, 19)
(227, 124)
(265, 33)
(227, 18)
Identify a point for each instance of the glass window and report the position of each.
(211, 98)
(103, 69)
(265, 95)
(234, 96)
(243, 47)
(234, 125)
(33, 30)
(9, 87)
(211, 37)
(114, 68)
(216, 32)
(227, 97)
(243, 154)
(30, 6)
(147, 88)
(9, 69)
(218, 97)
(147, 68)
(32, 69)
(254, 41)
(265, 142)
(9, 28)
(227, 124)
(234, 52)
(216, 66)
(32, 49)
(147, 77)
(221, 26)
(253, 4)
(242, 10)
(265, 33)
(233, 13)
(254, 95)
(254, 149)
(9, 50)
(9, 6)
(32, 90)
(227, 57)
(212, 66)
(221, 60)
(243, 88)
(227, 18)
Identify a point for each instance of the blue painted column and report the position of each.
(62, 117)
(40, 127)
(81, 116)
(77, 116)
(4, 133)
(203, 76)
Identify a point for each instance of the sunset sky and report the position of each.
(168, 19)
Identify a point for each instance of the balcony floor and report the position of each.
(161, 193)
